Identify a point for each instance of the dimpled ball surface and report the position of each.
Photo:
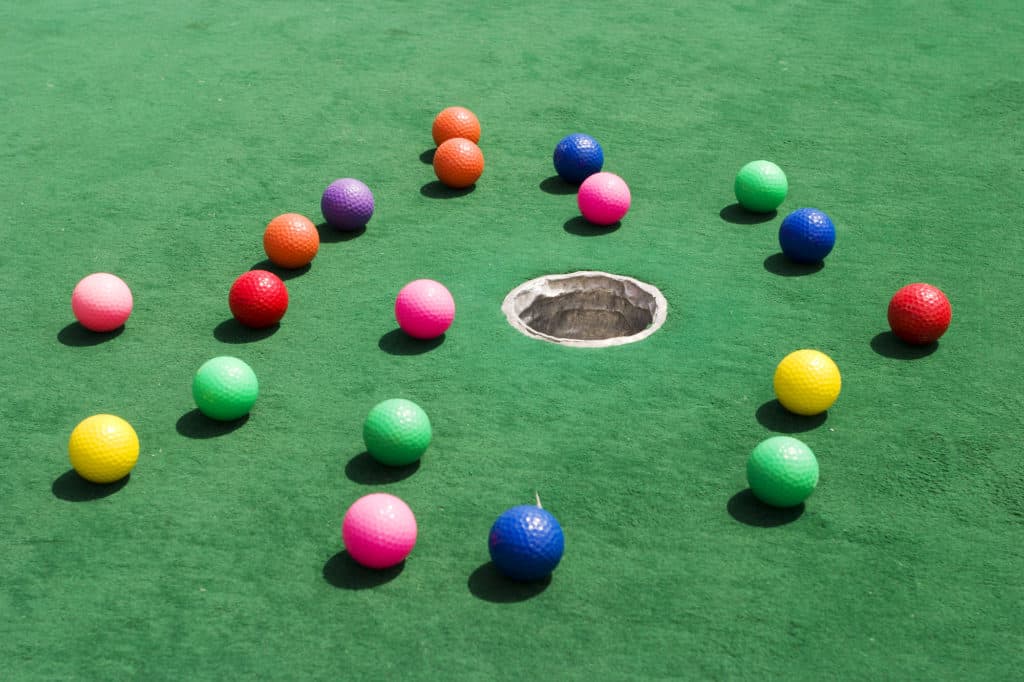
(258, 298)
(103, 448)
(101, 302)
(424, 309)
(761, 186)
(577, 157)
(347, 204)
(604, 198)
(919, 313)
(291, 240)
(807, 235)
(379, 530)
(225, 388)
(782, 471)
(455, 122)
(526, 543)
(396, 432)
(807, 382)
(458, 163)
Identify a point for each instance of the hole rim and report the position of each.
(659, 315)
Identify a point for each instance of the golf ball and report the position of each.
(225, 388)
(424, 309)
(379, 530)
(761, 186)
(577, 157)
(782, 471)
(807, 235)
(397, 432)
(103, 448)
(807, 382)
(919, 313)
(347, 204)
(604, 198)
(101, 302)
(258, 299)
(526, 543)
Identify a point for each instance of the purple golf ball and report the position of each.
(347, 204)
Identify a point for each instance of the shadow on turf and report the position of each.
(283, 273)
(737, 215)
(772, 415)
(364, 469)
(580, 226)
(556, 185)
(487, 583)
(778, 264)
(233, 331)
(746, 508)
(331, 235)
(71, 487)
(438, 190)
(397, 342)
(342, 571)
(889, 345)
(76, 335)
(427, 157)
(195, 424)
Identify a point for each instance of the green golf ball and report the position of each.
(396, 432)
(761, 186)
(225, 388)
(782, 471)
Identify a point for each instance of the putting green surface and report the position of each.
(156, 142)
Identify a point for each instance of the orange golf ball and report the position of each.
(291, 240)
(456, 122)
(458, 163)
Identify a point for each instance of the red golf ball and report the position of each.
(919, 313)
(258, 299)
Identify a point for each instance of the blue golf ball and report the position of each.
(807, 235)
(526, 543)
(577, 157)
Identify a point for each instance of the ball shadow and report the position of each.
(487, 583)
(772, 415)
(438, 190)
(427, 156)
(233, 331)
(737, 215)
(76, 335)
(746, 508)
(364, 469)
(71, 487)
(283, 273)
(556, 185)
(342, 571)
(581, 227)
(889, 345)
(397, 342)
(332, 235)
(195, 424)
(778, 264)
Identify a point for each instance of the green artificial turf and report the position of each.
(156, 141)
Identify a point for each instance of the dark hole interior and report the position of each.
(587, 315)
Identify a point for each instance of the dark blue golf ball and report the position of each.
(577, 157)
(526, 543)
(807, 235)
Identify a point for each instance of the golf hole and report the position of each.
(586, 309)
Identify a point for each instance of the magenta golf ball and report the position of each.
(379, 530)
(424, 309)
(604, 198)
(347, 204)
(101, 302)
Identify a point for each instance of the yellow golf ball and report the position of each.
(103, 448)
(807, 382)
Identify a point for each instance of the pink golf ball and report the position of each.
(379, 530)
(604, 198)
(424, 309)
(101, 302)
